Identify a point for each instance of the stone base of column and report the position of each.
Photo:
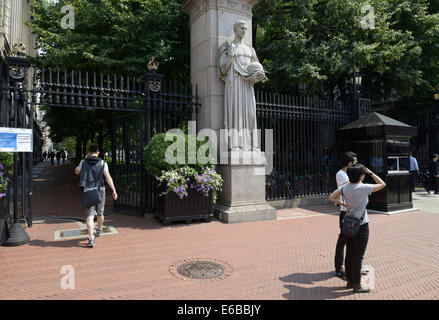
(243, 196)
(234, 214)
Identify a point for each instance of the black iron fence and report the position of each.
(305, 146)
(427, 140)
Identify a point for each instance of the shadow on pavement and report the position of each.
(312, 293)
(60, 243)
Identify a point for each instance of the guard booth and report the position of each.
(383, 145)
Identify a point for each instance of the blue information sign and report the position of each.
(15, 140)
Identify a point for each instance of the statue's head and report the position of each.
(240, 28)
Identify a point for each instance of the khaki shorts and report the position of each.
(97, 209)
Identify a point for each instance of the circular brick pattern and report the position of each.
(200, 269)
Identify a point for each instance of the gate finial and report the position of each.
(19, 49)
(153, 65)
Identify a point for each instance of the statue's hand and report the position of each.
(258, 76)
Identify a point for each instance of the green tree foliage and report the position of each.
(318, 42)
(112, 37)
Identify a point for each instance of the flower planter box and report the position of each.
(195, 206)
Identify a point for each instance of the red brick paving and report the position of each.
(283, 259)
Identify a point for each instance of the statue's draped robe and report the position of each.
(240, 103)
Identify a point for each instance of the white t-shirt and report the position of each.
(105, 170)
(342, 178)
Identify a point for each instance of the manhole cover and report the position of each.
(209, 269)
(201, 269)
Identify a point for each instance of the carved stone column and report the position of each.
(211, 22)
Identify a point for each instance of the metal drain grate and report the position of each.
(81, 233)
(201, 270)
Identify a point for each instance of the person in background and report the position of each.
(355, 199)
(414, 170)
(58, 157)
(52, 158)
(349, 159)
(433, 169)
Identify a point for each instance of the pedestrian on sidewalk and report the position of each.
(433, 169)
(90, 169)
(52, 158)
(58, 157)
(349, 159)
(414, 170)
(356, 197)
(63, 156)
(44, 155)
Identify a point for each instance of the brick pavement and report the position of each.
(290, 258)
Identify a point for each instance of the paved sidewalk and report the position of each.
(290, 258)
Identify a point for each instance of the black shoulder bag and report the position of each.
(350, 223)
(93, 197)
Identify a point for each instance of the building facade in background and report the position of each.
(13, 15)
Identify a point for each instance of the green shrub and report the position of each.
(155, 155)
(6, 170)
(181, 177)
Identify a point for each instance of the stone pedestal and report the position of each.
(243, 196)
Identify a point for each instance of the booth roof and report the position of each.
(375, 119)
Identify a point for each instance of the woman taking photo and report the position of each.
(356, 197)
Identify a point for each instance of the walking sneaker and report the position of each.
(91, 243)
(361, 289)
(349, 285)
(98, 232)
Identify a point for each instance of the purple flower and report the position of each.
(2, 167)
(1, 174)
(2, 195)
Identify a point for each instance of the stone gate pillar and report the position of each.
(211, 24)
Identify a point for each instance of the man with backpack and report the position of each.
(91, 171)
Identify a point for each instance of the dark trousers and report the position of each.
(413, 180)
(434, 184)
(355, 249)
(341, 242)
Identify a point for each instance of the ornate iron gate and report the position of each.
(165, 105)
(150, 106)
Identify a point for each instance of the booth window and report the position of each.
(398, 164)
